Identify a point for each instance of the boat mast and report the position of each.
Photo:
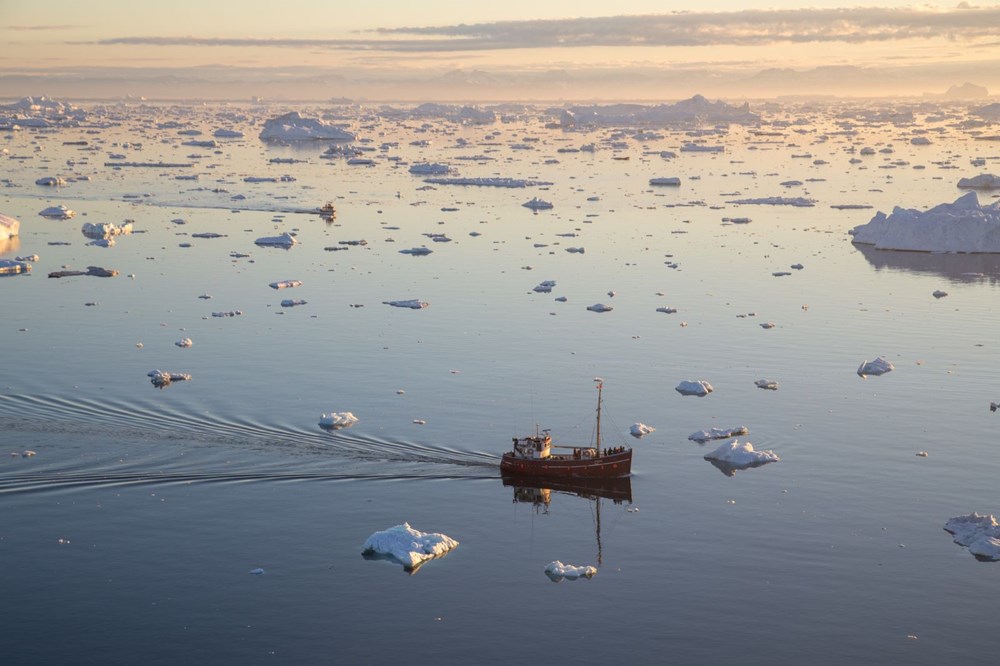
(600, 385)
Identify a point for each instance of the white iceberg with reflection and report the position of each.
(408, 546)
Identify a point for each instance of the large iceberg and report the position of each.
(407, 546)
(293, 127)
(697, 109)
(962, 226)
(980, 534)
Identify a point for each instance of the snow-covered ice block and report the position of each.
(879, 366)
(294, 127)
(408, 546)
(640, 430)
(337, 420)
(59, 212)
(981, 534)
(691, 387)
(161, 378)
(285, 284)
(738, 455)
(557, 571)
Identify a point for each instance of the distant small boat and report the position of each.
(532, 456)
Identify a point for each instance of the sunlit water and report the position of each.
(129, 536)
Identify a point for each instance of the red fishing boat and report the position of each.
(533, 456)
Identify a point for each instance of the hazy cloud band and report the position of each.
(854, 25)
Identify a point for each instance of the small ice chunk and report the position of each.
(768, 325)
(639, 430)
(879, 366)
(59, 212)
(703, 436)
(736, 454)
(769, 384)
(337, 420)
(285, 284)
(939, 294)
(257, 572)
(537, 204)
(556, 571)
(600, 307)
(691, 387)
(667, 310)
(292, 302)
(671, 181)
(413, 304)
(161, 378)
(417, 251)
(408, 546)
(186, 342)
(545, 287)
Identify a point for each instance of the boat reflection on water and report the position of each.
(538, 493)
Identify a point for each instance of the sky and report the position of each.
(515, 49)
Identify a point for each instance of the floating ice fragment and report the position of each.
(257, 572)
(59, 212)
(741, 455)
(800, 202)
(185, 343)
(768, 325)
(417, 251)
(337, 420)
(285, 240)
(557, 571)
(879, 366)
(980, 534)
(413, 304)
(160, 378)
(671, 181)
(667, 310)
(50, 181)
(12, 267)
(985, 181)
(703, 436)
(600, 307)
(691, 387)
(537, 204)
(769, 384)
(292, 302)
(101, 230)
(545, 287)
(939, 294)
(9, 227)
(407, 546)
(285, 284)
(639, 430)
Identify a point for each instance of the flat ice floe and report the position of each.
(293, 127)
(13, 267)
(879, 366)
(557, 571)
(407, 546)
(413, 304)
(337, 420)
(487, 182)
(741, 456)
(671, 181)
(600, 307)
(103, 230)
(799, 202)
(703, 436)
(285, 284)
(962, 226)
(537, 204)
(640, 430)
(690, 387)
(768, 384)
(980, 534)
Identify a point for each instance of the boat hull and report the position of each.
(606, 467)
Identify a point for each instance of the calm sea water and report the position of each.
(129, 537)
